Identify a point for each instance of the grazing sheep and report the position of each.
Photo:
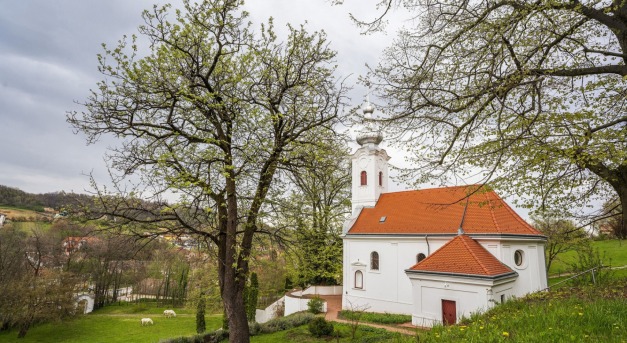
(169, 313)
(147, 321)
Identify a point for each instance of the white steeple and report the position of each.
(369, 164)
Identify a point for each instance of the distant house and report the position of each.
(437, 254)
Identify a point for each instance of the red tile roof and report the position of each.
(462, 255)
(440, 210)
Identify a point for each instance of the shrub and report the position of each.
(284, 323)
(374, 317)
(210, 337)
(254, 328)
(315, 305)
(319, 327)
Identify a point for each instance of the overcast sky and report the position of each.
(48, 63)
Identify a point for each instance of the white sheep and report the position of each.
(169, 313)
(147, 321)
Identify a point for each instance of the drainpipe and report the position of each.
(428, 246)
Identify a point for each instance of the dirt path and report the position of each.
(334, 305)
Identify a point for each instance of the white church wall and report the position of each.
(470, 296)
(532, 270)
(387, 289)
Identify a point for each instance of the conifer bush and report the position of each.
(319, 327)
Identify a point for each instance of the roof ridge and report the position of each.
(485, 270)
(496, 224)
(517, 217)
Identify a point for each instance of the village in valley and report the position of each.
(469, 185)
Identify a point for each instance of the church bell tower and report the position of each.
(369, 165)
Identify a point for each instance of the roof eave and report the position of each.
(472, 235)
(497, 277)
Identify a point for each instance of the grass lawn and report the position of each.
(116, 324)
(589, 314)
(613, 252)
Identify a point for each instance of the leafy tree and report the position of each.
(526, 95)
(315, 210)
(212, 112)
(611, 218)
(33, 286)
(562, 236)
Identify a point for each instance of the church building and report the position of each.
(437, 254)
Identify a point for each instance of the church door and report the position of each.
(449, 312)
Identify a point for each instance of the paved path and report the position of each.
(334, 305)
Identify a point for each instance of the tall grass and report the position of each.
(590, 314)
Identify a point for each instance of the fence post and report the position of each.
(593, 279)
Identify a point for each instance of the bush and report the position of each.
(374, 317)
(319, 327)
(315, 305)
(254, 328)
(284, 323)
(210, 337)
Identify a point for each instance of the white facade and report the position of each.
(390, 289)
(469, 294)
(387, 289)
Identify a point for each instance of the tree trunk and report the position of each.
(23, 330)
(236, 312)
(622, 196)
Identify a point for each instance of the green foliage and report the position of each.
(315, 305)
(210, 337)
(373, 317)
(521, 95)
(319, 327)
(200, 314)
(284, 323)
(214, 111)
(252, 296)
(225, 321)
(589, 258)
(562, 235)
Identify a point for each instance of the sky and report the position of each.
(48, 65)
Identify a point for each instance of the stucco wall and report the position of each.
(390, 290)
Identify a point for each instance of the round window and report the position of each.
(518, 257)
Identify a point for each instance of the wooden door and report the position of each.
(449, 312)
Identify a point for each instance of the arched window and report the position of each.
(420, 257)
(380, 178)
(374, 260)
(364, 178)
(359, 279)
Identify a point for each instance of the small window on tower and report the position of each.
(364, 178)
(380, 178)
(420, 257)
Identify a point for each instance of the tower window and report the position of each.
(380, 178)
(374, 260)
(420, 257)
(364, 178)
